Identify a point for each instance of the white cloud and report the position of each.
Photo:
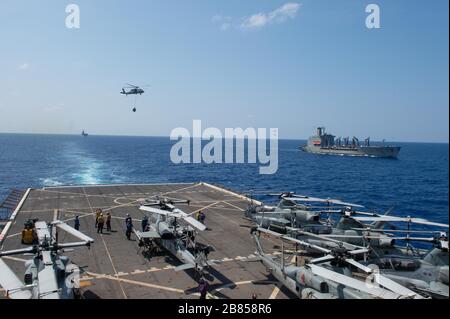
(24, 66)
(280, 15)
(258, 20)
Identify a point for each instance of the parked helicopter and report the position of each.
(423, 270)
(133, 90)
(293, 212)
(289, 212)
(49, 275)
(330, 276)
(425, 273)
(166, 232)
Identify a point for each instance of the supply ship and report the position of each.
(324, 143)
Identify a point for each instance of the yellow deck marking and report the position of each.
(205, 207)
(274, 293)
(238, 208)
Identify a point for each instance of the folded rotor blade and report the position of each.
(72, 245)
(359, 251)
(190, 220)
(194, 223)
(353, 283)
(396, 287)
(14, 288)
(321, 200)
(160, 212)
(300, 242)
(398, 231)
(359, 265)
(420, 221)
(72, 231)
(324, 238)
(17, 251)
(322, 259)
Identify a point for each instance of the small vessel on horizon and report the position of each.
(83, 133)
(323, 143)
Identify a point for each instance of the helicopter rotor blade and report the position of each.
(420, 221)
(322, 259)
(358, 265)
(352, 282)
(324, 238)
(395, 287)
(21, 251)
(14, 288)
(160, 212)
(177, 213)
(320, 200)
(190, 220)
(398, 231)
(300, 242)
(421, 239)
(72, 231)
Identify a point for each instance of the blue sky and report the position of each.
(313, 64)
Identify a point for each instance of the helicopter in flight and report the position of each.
(133, 90)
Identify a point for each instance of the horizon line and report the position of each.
(166, 136)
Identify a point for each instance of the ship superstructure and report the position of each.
(325, 143)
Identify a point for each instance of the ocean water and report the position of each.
(416, 184)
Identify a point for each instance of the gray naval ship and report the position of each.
(323, 143)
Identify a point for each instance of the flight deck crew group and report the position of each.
(101, 220)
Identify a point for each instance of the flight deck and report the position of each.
(116, 268)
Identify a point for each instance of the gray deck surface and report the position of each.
(116, 268)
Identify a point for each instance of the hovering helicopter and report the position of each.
(166, 232)
(49, 275)
(330, 276)
(133, 90)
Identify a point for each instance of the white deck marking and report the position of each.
(15, 258)
(117, 276)
(276, 290)
(107, 252)
(134, 282)
(210, 294)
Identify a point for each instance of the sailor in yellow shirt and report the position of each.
(97, 215)
(100, 223)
